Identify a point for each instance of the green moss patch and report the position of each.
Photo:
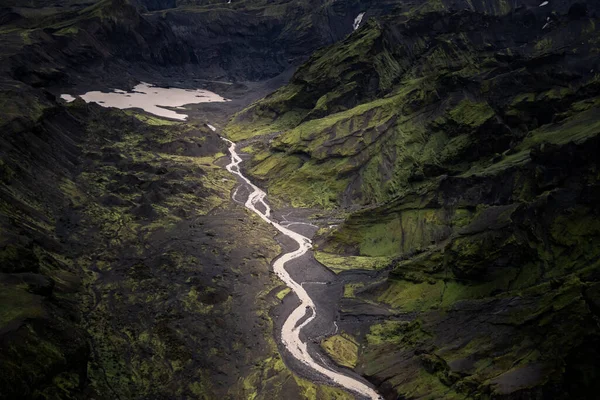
(339, 263)
(342, 348)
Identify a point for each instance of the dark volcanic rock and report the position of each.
(18, 258)
(154, 5)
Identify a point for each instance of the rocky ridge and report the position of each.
(459, 143)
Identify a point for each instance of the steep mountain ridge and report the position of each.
(422, 83)
(467, 138)
(239, 41)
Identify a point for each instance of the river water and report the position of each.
(290, 334)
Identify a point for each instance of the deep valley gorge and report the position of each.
(299, 199)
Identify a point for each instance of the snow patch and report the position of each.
(151, 99)
(67, 97)
(544, 4)
(358, 20)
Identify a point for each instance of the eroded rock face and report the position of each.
(228, 41)
(469, 137)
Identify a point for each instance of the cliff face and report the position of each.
(252, 40)
(468, 137)
(71, 42)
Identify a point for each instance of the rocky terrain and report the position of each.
(459, 143)
(244, 40)
(448, 150)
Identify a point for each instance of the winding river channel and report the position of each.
(290, 335)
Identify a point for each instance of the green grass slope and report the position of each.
(395, 102)
(468, 139)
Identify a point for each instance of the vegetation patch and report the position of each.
(342, 348)
(339, 263)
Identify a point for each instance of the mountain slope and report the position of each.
(467, 140)
(247, 40)
(470, 89)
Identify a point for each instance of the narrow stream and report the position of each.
(290, 334)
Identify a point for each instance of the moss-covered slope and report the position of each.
(468, 138)
(419, 95)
